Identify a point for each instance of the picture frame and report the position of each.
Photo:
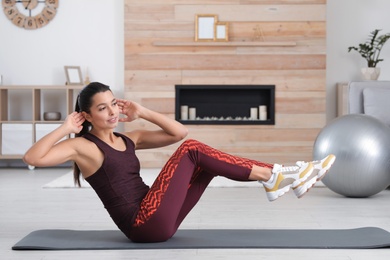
(222, 31)
(73, 75)
(205, 27)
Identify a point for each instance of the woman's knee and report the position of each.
(192, 144)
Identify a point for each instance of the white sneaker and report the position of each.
(321, 167)
(286, 177)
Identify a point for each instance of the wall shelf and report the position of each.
(226, 44)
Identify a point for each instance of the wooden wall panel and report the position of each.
(298, 72)
(260, 13)
(224, 62)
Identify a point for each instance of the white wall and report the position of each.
(89, 33)
(349, 23)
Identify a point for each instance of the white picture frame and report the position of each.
(205, 27)
(73, 75)
(222, 31)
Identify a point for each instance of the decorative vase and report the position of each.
(371, 73)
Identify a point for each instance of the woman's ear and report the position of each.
(86, 116)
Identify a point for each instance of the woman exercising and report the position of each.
(107, 160)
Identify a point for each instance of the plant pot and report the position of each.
(371, 73)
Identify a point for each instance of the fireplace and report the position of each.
(225, 104)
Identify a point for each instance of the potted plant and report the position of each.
(370, 51)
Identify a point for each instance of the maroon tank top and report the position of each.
(118, 182)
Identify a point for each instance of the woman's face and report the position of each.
(104, 112)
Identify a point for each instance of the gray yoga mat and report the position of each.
(367, 237)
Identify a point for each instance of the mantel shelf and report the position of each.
(227, 44)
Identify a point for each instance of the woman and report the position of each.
(107, 160)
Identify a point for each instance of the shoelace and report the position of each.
(281, 168)
(300, 163)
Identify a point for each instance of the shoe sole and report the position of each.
(278, 193)
(273, 195)
(306, 186)
(326, 166)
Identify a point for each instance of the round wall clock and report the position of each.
(30, 14)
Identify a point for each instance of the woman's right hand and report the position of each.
(74, 122)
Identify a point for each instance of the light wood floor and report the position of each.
(25, 206)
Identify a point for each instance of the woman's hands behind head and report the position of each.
(130, 109)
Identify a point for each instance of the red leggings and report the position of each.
(180, 185)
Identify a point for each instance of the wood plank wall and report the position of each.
(151, 71)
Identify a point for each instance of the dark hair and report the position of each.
(83, 104)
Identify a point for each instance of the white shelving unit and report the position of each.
(21, 114)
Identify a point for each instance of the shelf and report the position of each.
(227, 44)
(49, 122)
(16, 122)
(37, 122)
(43, 87)
(10, 156)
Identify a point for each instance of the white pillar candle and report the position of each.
(254, 113)
(192, 113)
(184, 112)
(263, 113)
(263, 116)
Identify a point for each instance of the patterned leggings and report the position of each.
(180, 185)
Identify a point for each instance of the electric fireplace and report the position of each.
(225, 104)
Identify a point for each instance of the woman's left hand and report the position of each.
(128, 108)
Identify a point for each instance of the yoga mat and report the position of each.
(367, 237)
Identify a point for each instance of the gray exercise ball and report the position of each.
(361, 144)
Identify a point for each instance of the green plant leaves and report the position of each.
(370, 50)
